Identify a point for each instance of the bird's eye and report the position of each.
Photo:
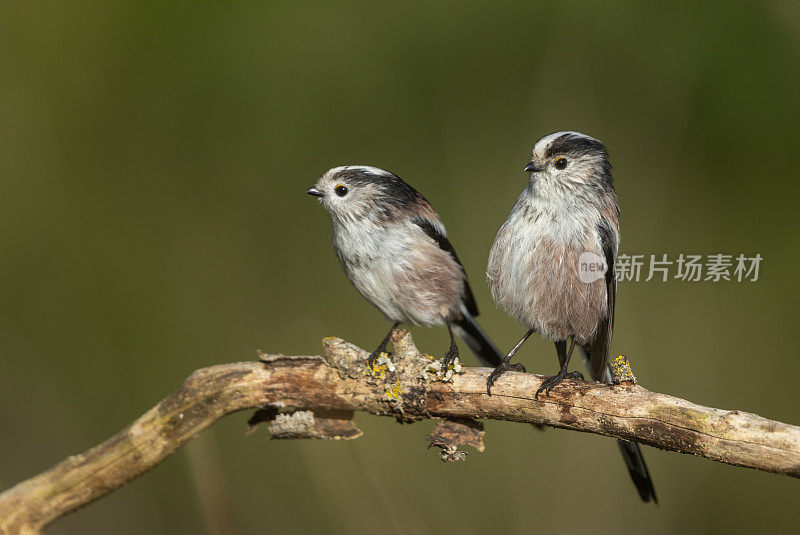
(560, 163)
(340, 190)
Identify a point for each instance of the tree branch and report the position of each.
(408, 388)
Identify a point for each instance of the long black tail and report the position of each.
(477, 340)
(637, 468)
(634, 460)
(631, 452)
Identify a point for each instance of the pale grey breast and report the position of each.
(400, 270)
(533, 268)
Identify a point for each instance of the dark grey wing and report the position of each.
(466, 327)
(441, 240)
(600, 348)
(596, 354)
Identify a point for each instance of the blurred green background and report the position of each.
(153, 163)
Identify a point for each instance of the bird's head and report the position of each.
(355, 192)
(566, 163)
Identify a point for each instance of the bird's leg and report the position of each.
(452, 353)
(382, 347)
(504, 365)
(563, 357)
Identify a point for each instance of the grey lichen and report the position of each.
(436, 368)
(348, 359)
(403, 376)
(451, 454)
(332, 425)
(298, 424)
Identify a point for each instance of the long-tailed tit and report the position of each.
(552, 264)
(394, 249)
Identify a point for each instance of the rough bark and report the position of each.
(408, 387)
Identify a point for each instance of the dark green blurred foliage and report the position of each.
(153, 159)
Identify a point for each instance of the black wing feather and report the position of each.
(444, 244)
(598, 356)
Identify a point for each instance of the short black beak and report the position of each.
(531, 168)
(315, 192)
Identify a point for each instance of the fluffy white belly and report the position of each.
(533, 272)
(402, 272)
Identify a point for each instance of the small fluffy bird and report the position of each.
(540, 266)
(394, 249)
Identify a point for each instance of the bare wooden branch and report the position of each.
(409, 388)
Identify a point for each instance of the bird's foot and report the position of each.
(550, 382)
(373, 357)
(449, 359)
(501, 368)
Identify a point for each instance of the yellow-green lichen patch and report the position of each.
(621, 371)
(394, 392)
(436, 367)
(380, 367)
(384, 360)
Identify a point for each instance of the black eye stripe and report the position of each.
(340, 190)
(560, 163)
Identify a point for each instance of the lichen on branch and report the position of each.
(323, 392)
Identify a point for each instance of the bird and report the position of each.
(551, 266)
(394, 249)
